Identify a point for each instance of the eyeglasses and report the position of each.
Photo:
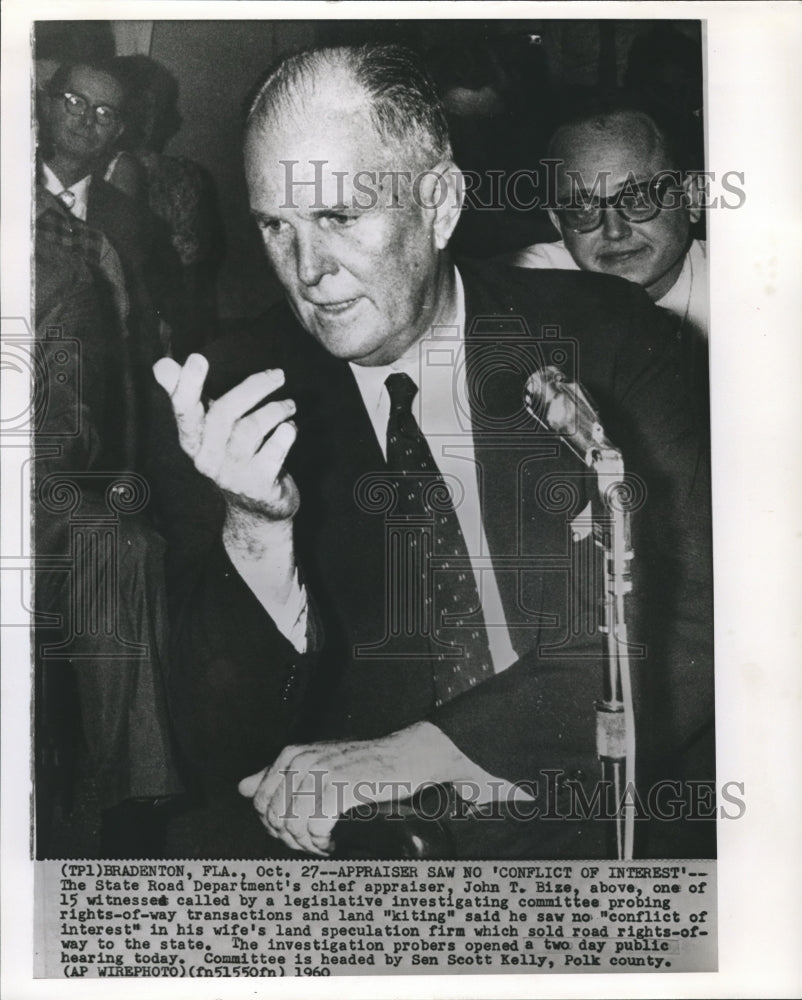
(633, 202)
(104, 114)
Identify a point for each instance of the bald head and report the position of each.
(600, 155)
(384, 81)
(632, 134)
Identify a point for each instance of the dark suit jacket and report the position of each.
(241, 692)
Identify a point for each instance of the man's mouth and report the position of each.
(86, 137)
(620, 256)
(338, 308)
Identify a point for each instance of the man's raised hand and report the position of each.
(238, 444)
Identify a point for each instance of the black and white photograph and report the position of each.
(371, 493)
(301, 591)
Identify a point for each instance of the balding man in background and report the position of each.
(624, 205)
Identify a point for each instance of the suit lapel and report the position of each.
(529, 539)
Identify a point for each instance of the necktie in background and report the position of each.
(67, 199)
(447, 584)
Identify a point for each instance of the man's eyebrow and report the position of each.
(341, 208)
(609, 185)
(314, 214)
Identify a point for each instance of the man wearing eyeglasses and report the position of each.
(83, 119)
(82, 115)
(624, 207)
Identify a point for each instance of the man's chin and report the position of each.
(356, 345)
(81, 146)
(632, 266)
(349, 336)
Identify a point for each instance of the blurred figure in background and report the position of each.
(175, 189)
(496, 94)
(664, 65)
(102, 300)
(104, 763)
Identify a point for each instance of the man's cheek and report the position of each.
(584, 252)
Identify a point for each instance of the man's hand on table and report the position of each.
(300, 797)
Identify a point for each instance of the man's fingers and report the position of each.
(187, 392)
(294, 781)
(274, 777)
(322, 844)
(320, 832)
(167, 372)
(184, 386)
(308, 832)
(224, 413)
(303, 843)
(245, 396)
(276, 789)
(185, 395)
(249, 785)
(249, 432)
(292, 831)
(274, 451)
(294, 798)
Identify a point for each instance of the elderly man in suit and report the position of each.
(326, 583)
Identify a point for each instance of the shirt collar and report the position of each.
(370, 380)
(676, 298)
(80, 189)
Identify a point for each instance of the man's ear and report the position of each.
(441, 191)
(692, 187)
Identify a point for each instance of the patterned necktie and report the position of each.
(67, 199)
(444, 581)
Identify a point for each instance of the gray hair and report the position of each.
(403, 103)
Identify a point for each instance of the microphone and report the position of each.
(565, 408)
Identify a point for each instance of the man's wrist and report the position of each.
(262, 550)
(252, 534)
(434, 757)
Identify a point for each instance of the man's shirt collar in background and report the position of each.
(79, 190)
(688, 296)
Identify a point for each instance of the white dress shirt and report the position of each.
(436, 364)
(687, 298)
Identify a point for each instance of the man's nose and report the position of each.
(615, 225)
(87, 117)
(313, 258)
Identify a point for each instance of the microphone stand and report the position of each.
(564, 409)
